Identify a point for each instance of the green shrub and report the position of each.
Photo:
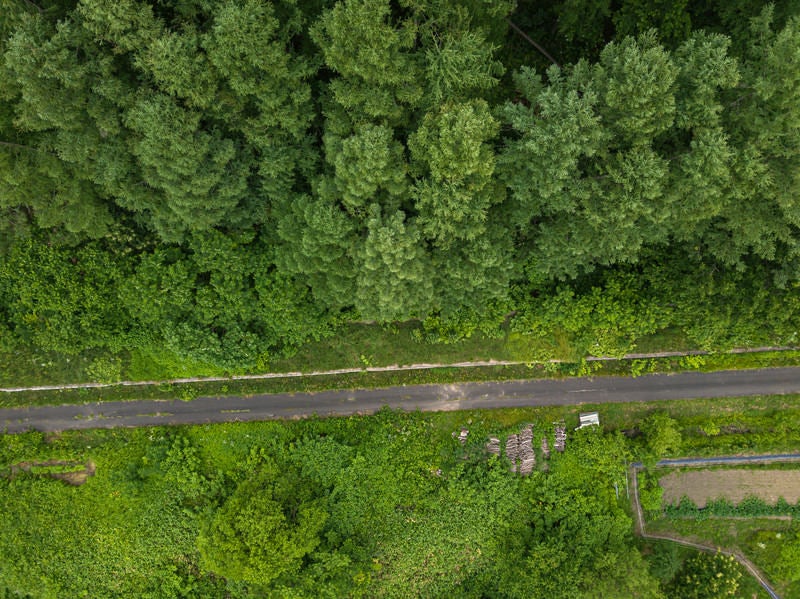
(105, 369)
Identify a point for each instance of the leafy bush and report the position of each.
(105, 369)
(749, 507)
(706, 576)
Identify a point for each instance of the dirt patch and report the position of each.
(72, 473)
(734, 485)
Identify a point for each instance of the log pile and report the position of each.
(462, 436)
(561, 437)
(526, 456)
(545, 448)
(493, 446)
(512, 451)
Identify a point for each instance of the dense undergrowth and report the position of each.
(361, 506)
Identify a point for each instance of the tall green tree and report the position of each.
(190, 117)
(455, 162)
(379, 74)
(49, 128)
(584, 171)
(395, 278)
(318, 241)
(257, 535)
(369, 167)
(763, 122)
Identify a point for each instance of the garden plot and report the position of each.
(732, 484)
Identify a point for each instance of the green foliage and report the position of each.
(62, 298)
(749, 507)
(457, 64)
(379, 76)
(461, 325)
(364, 506)
(671, 19)
(662, 435)
(582, 21)
(565, 531)
(220, 301)
(199, 174)
(650, 492)
(317, 242)
(235, 178)
(707, 577)
(369, 165)
(451, 148)
(395, 280)
(105, 370)
(787, 566)
(586, 139)
(605, 320)
(190, 126)
(254, 537)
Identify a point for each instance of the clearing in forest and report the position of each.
(734, 485)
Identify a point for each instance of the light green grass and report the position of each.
(359, 345)
(157, 363)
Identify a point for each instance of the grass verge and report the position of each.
(364, 379)
(353, 346)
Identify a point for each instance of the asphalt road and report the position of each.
(544, 392)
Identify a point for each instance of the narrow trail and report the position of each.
(639, 526)
(391, 368)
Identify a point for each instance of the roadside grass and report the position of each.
(359, 346)
(27, 366)
(353, 346)
(671, 339)
(158, 363)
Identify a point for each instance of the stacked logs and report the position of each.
(561, 437)
(526, 456)
(462, 436)
(493, 446)
(512, 451)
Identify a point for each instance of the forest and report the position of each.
(227, 180)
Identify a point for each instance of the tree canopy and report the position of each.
(243, 176)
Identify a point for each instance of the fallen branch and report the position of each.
(533, 43)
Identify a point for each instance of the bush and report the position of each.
(105, 369)
(707, 576)
(749, 507)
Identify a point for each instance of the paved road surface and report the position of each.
(543, 392)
